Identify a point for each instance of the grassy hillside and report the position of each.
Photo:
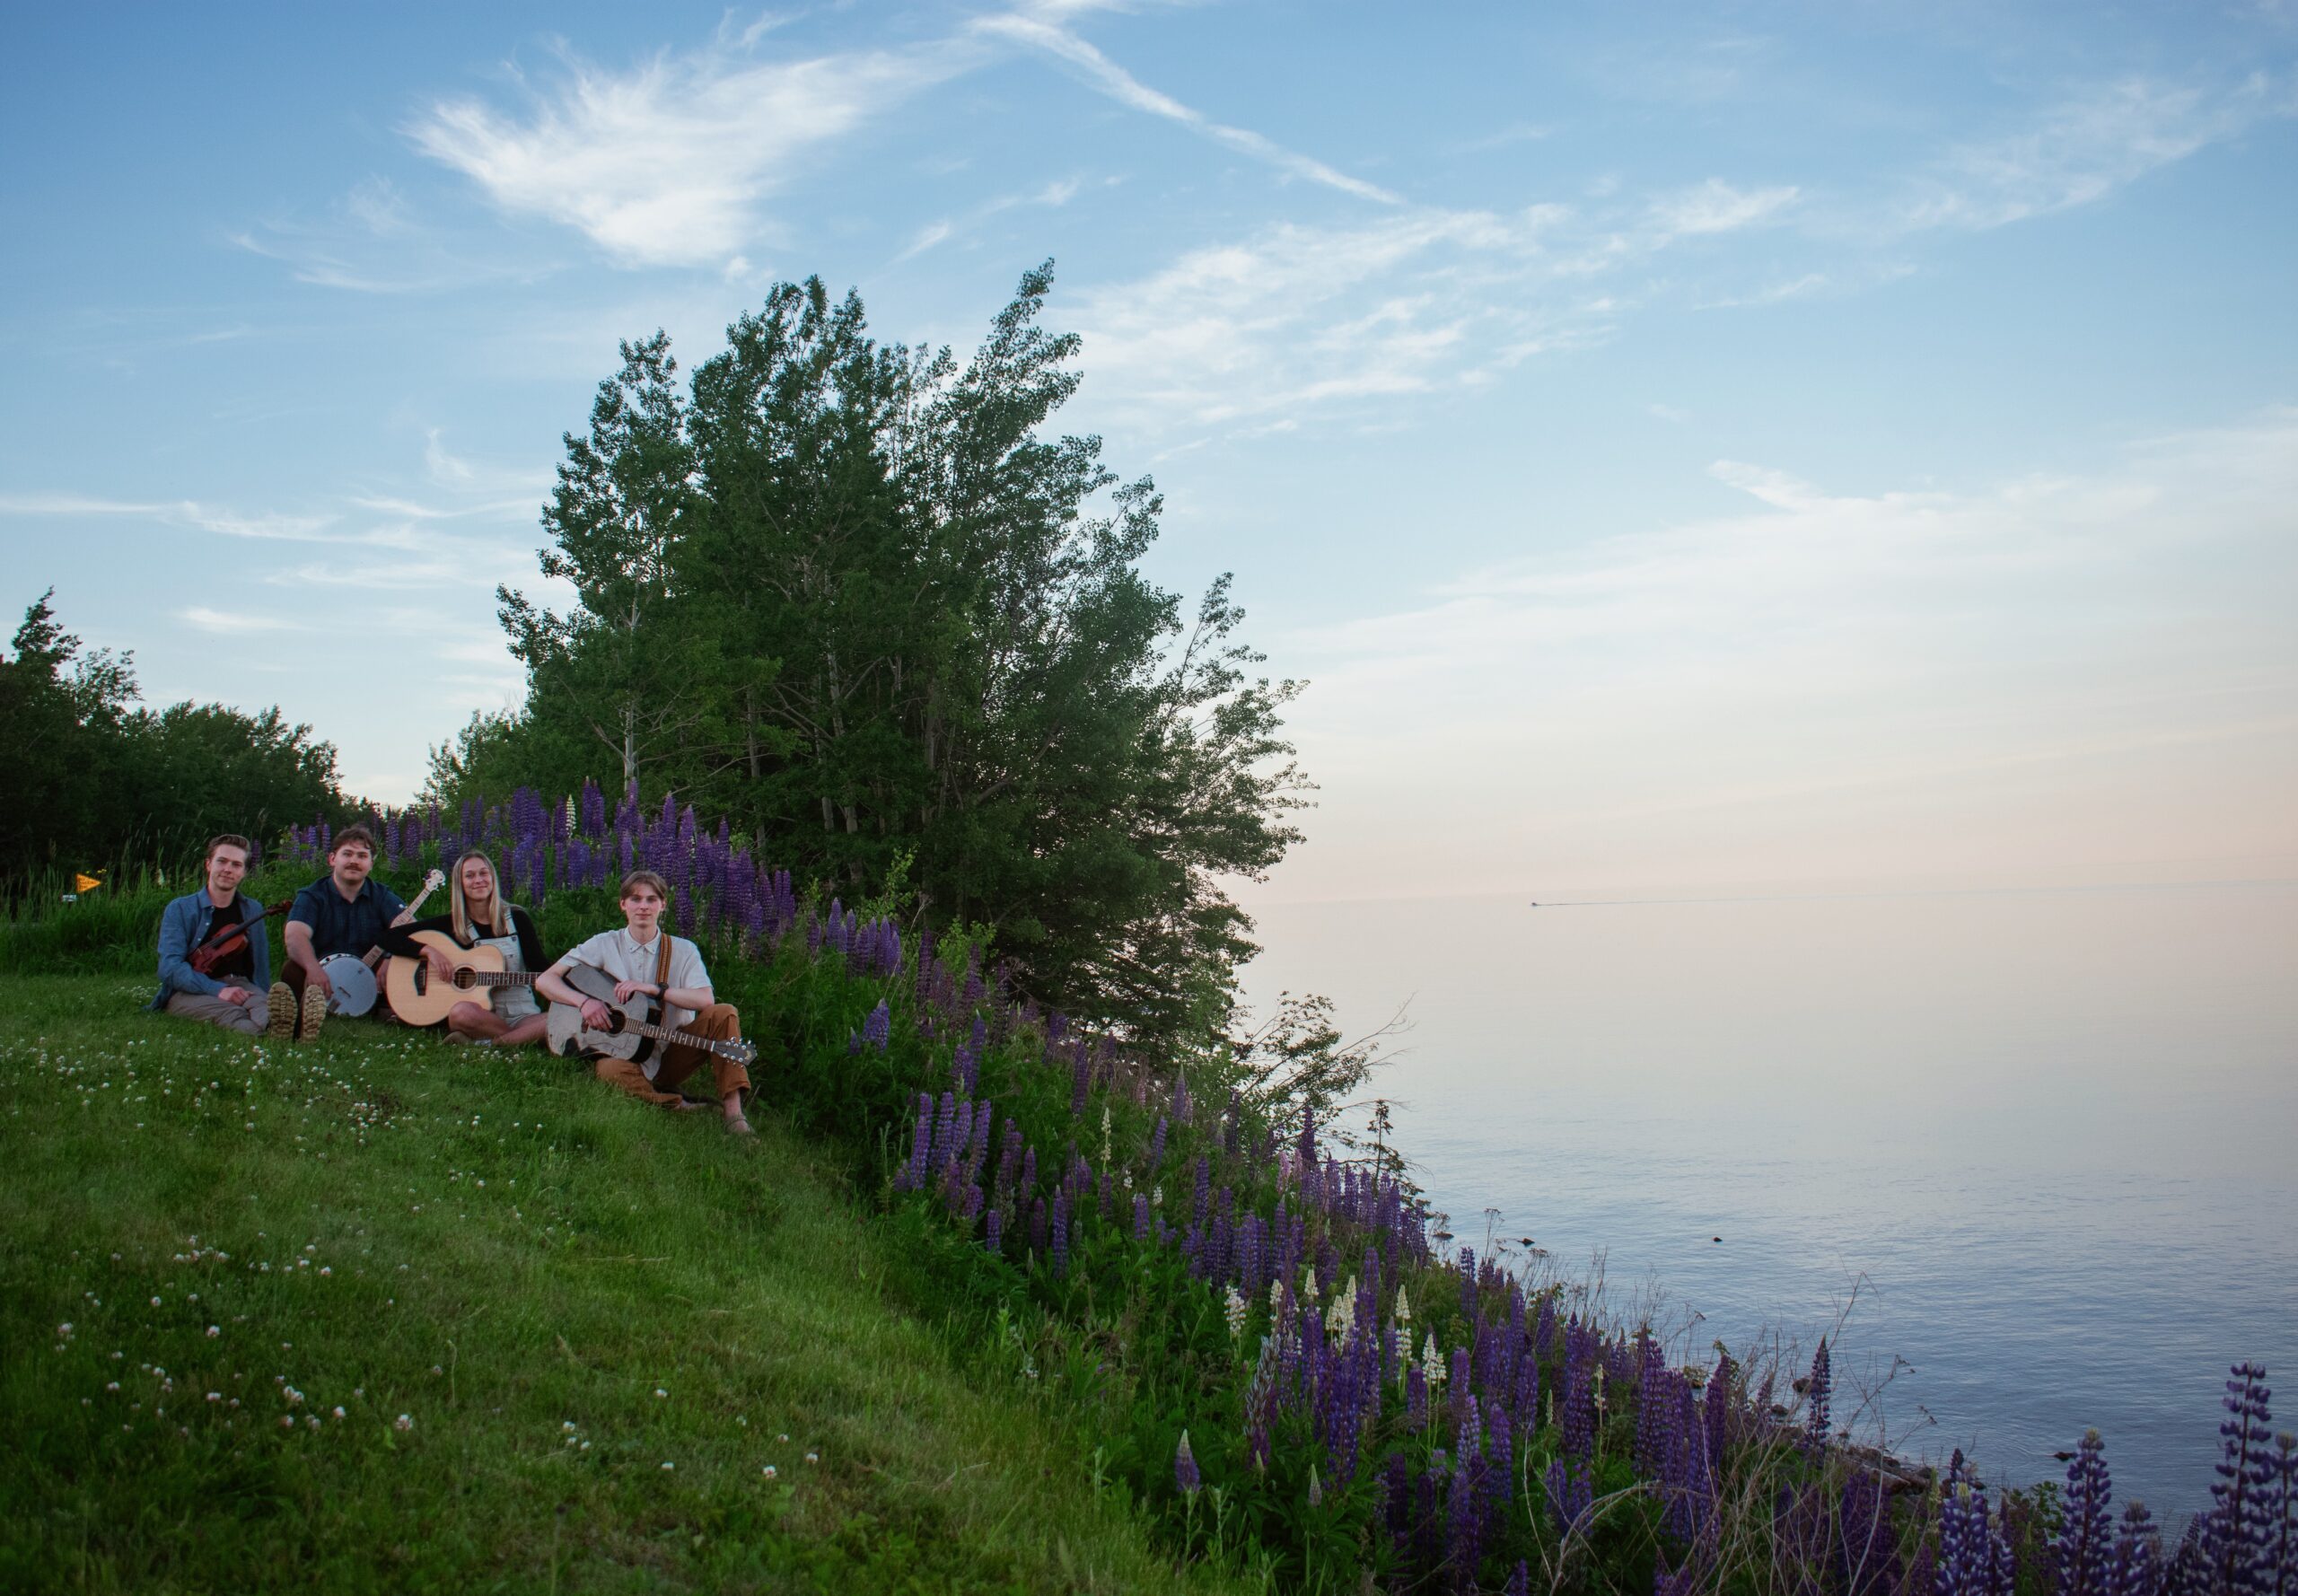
(379, 1313)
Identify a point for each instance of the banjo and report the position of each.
(635, 1030)
(351, 976)
(419, 997)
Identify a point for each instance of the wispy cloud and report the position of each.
(302, 528)
(224, 622)
(2084, 148)
(673, 163)
(1717, 206)
(1123, 87)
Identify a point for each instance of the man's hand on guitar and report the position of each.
(624, 990)
(234, 995)
(596, 1015)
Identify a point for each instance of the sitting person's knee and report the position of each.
(464, 1016)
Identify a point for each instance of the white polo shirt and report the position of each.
(626, 959)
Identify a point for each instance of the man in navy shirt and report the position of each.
(342, 912)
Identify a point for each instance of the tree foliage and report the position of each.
(91, 778)
(854, 595)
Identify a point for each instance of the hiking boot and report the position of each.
(314, 1014)
(282, 1012)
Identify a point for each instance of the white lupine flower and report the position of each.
(1156, 1197)
(1432, 1362)
(1234, 1307)
(1308, 1283)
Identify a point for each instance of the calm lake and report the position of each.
(2048, 1139)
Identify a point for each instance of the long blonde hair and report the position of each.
(461, 910)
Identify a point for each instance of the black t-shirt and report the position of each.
(238, 964)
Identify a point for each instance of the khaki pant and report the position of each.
(252, 1018)
(720, 1021)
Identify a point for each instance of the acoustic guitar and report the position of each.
(637, 1025)
(420, 997)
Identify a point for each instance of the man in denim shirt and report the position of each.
(345, 911)
(238, 993)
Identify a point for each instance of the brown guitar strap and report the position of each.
(662, 964)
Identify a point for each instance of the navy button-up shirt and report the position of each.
(341, 925)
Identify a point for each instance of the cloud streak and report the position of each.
(1120, 86)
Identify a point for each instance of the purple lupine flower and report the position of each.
(921, 1145)
(2235, 1534)
(877, 1029)
(1060, 1235)
(2084, 1546)
(993, 1238)
(1185, 1473)
(1974, 1559)
(1081, 1079)
(2138, 1554)
(1305, 1147)
(1157, 1145)
(1815, 1400)
(1571, 1494)
(1464, 1512)
(1520, 1584)
(1579, 1397)
(1140, 1218)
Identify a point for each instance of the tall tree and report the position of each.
(852, 595)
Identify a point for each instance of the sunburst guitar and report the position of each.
(636, 1030)
(419, 997)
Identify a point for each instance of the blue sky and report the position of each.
(1683, 445)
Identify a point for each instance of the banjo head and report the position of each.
(353, 982)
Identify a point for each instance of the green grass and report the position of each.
(498, 1248)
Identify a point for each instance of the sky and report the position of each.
(1822, 445)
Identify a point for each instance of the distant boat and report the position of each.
(1535, 903)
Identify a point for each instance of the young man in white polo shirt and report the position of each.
(633, 956)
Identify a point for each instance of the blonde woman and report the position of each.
(481, 915)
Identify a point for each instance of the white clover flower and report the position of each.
(813, 1457)
(768, 1471)
(659, 1391)
(568, 1427)
(214, 1330)
(339, 1413)
(404, 1422)
(670, 1465)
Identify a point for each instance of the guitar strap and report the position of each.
(662, 965)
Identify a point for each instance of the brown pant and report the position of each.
(250, 1018)
(720, 1021)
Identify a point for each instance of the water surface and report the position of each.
(2048, 1140)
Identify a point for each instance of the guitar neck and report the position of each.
(663, 1033)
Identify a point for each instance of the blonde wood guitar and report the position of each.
(420, 997)
(632, 1033)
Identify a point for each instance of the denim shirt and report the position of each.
(341, 926)
(184, 924)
